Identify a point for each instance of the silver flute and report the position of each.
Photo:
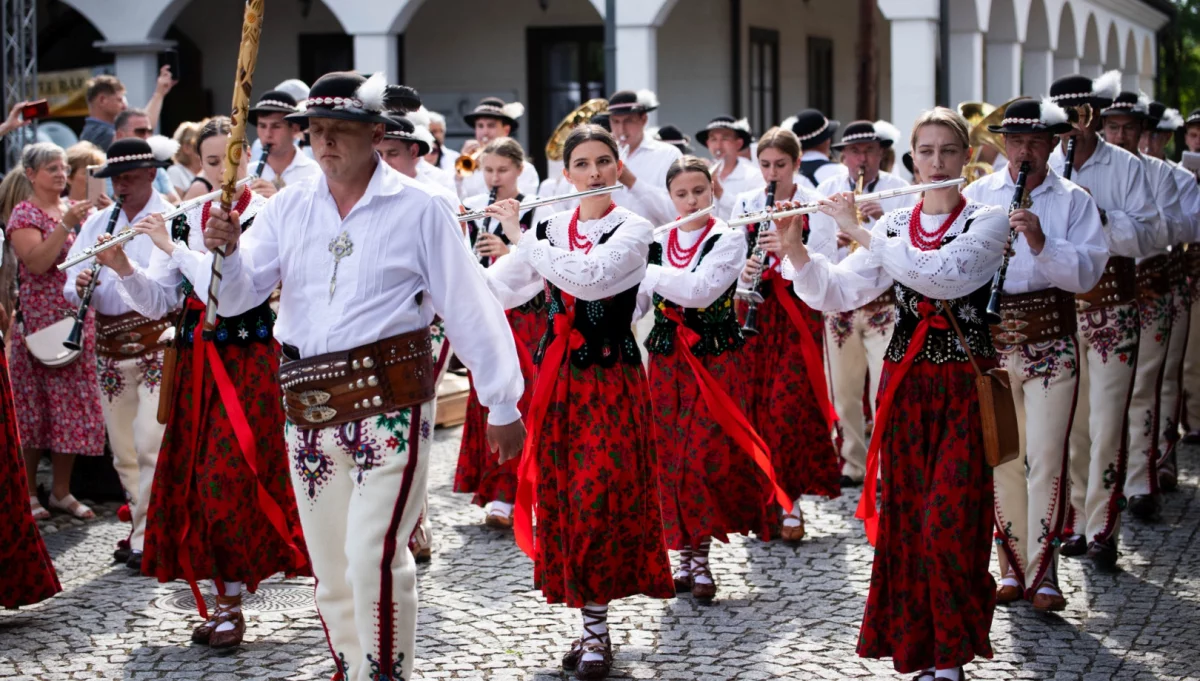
(663, 229)
(768, 215)
(127, 234)
(527, 205)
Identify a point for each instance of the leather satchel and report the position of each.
(997, 412)
(47, 347)
(166, 389)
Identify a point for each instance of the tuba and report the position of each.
(979, 116)
(581, 115)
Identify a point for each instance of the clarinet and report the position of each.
(262, 160)
(750, 328)
(1069, 165)
(487, 224)
(993, 307)
(74, 341)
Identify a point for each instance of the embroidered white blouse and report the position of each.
(1118, 184)
(609, 268)
(408, 263)
(822, 236)
(695, 284)
(954, 270)
(648, 197)
(1074, 255)
(745, 177)
(475, 184)
(105, 298)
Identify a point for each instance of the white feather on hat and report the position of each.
(887, 131)
(789, 122)
(742, 124)
(1052, 114)
(1171, 121)
(163, 148)
(294, 87)
(422, 133)
(647, 99)
(513, 110)
(371, 93)
(1143, 103)
(1107, 86)
(420, 117)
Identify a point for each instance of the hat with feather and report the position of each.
(739, 127)
(494, 107)
(133, 153)
(628, 101)
(400, 128)
(859, 132)
(1029, 115)
(811, 127)
(1127, 103)
(348, 96)
(1077, 90)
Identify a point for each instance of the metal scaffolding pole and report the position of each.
(18, 32)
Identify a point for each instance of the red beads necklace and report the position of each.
(580, 242)
(681, 257)
(240, 207)
(930, 241)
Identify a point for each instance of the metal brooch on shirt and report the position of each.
(340, 247)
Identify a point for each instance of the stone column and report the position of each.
(1037, 72)
(377, 52)
(1003, 71)
(966, 66)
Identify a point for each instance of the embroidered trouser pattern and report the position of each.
(129, 391)
(855, 343)
(1171, 394)
(359, 488)
(1100, 434)
(1141, 477)
(1031, 491)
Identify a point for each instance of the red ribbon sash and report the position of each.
(723, 409)
(866, 504)
(814, 363)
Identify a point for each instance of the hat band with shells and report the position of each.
(814, 133)
(275, 102)
(1132, 106)
(1024, 121)
(113, 160)
(859, 136)
(1072, 95)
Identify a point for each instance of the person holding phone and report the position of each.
(15, 118)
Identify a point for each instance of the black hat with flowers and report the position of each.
(133, 153)
(348, 96)
(1030, 115)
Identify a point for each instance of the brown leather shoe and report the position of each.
(1007, 594)
(232, 638)
(498, 521)
(703, 592)
(595, 669)
(1075, 545)
(792, 533)
(201, 634)
(1049, 602)
(571, 659)
(683, 584)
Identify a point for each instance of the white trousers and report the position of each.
(130, 390)
(855, 344)
(1100, 433)
(1141, 477)
(1171, 393)
(1031, 491)
(357, 522)
(422, 536)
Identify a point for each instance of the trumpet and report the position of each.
(529, 205)
(127, 234)
(466, 164)
(992, 315)
(767, 215)
(74, 340)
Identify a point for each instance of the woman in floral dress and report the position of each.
(58, 409)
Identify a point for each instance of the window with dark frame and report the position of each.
(565, 68)
(820, 74)
(764, 78)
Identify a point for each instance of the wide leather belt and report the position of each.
(129, 335)
(340, 387)
(1034, 317)
(1118, 286)
(1154, 276)
(886, 299)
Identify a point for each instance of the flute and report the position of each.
(663, 229)
(528, 205)
(74, 340)
(767, 215)
(127, 234)
(992, 315)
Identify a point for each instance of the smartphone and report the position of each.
(95, 185)
(170, 58)
(1191, 161)
(34, 110)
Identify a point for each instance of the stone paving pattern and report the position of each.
(783, 612)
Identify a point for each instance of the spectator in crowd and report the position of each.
(14, 119)
(58, 409)
(79, 157)
(136, 123)
(106, 100)
(187, 160)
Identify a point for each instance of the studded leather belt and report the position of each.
(1118, 286)
(339, 387)
(1154, 276)
(129, 335)
(1034, 317)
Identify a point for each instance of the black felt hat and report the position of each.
(400, 128)
(1193, 118)
(862, 131)
(811, 127)
(675, 137)
(628, 101)
(601, 119)
(348, 96)
(1165, 119)
(1077, 90)
(740, 127)
(133, 153)
(494, 107)
(907, 160)
(1030, 115)
(275, 101)
(1129, 104)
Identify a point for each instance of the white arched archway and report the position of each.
(967, 48)
(1113, 59)
(1131, 74)
(1092, 58)
(1066, 55)
(1037, 64)
(1003, 78)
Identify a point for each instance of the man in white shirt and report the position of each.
(127, 344)
(1107, 316)
(815, 132)
(493, 119)
(1059, 250)
(1124, 121)
(366, 259)
(856, 341)
(285, 163)
(646, 160)
(732, 174)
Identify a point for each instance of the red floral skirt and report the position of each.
(783, 403)
(28, 576)
(478, 471)
(932, 596)
(599, 522)
(203, 483)
(708, 485)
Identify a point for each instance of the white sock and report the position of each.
(948, 674)
(1049, 590)
(700, 561)
(793, 522)
(503, 508)
(685, 564)
(595, 623)
(1010, 581)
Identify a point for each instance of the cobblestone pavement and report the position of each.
(783, 612)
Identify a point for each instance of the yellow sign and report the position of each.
(65, 91)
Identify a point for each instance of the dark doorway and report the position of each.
(565, 69)
(321, 53)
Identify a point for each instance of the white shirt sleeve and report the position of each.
(1076, 263)
(251, 272)
(154, 291)
(512, 280)
(1135, 229)
(610, 268)
(711, 278)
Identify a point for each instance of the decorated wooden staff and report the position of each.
(243, 83)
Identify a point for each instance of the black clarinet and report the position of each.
(487, 225)
(75, 340)
(750, 327)
(993, 307)
(1069, 166)
(262, 160)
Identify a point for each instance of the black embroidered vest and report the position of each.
(941, 345)
(255, 325)
(606, 324)
(716, 324)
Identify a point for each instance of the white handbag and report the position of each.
(47, 347)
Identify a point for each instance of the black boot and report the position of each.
(1104, 553)
(1074, 546)
(1144, 507)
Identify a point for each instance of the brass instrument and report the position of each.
(1019, 200)
(979, 116)
(466, 164)
(74, 340)
(1080, 117)
(581, 115)
(858, 190)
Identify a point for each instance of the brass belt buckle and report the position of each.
(319, 414)
(313, 398)
(1011, 338)
(131, 348)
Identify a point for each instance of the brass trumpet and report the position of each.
(466, 164)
